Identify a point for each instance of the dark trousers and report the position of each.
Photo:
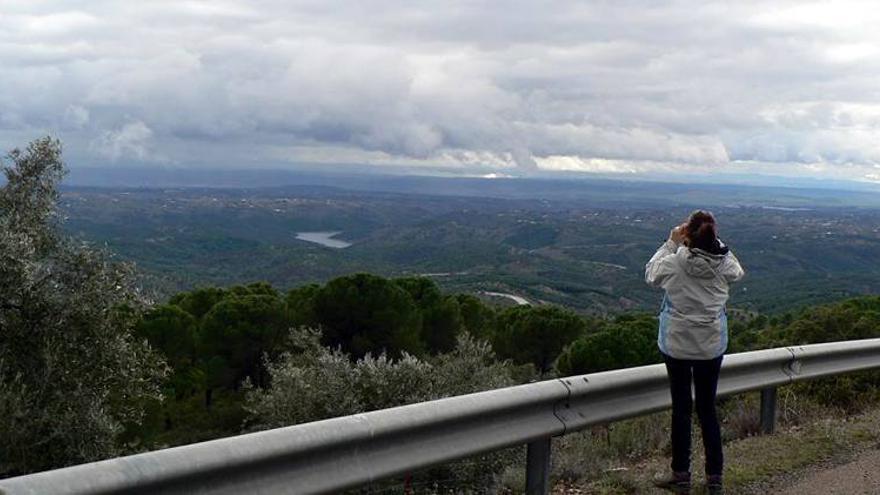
(704, 374)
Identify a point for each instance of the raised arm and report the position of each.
(732, 271)
(660, 266)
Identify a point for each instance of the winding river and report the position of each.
(323, 238)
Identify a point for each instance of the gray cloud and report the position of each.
(595, 86)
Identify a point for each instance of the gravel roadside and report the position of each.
(861, 476)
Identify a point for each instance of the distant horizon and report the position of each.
(87, 175)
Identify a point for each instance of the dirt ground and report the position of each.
(861, 476)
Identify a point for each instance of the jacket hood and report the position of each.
(702, 264)
(717, 247)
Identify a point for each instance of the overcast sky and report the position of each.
(782, 88)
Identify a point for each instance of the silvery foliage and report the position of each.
(72, 374)
(314, 382)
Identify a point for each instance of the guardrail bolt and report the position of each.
(768, 410)
(538, 467)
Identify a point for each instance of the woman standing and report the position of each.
(694, 268)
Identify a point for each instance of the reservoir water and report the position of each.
(323, 238)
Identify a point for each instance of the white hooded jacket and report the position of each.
(693, 321)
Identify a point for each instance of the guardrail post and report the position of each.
(538, 467)
(768, 410)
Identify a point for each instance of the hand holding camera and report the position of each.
(678, 234)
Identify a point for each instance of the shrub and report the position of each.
(314, 382)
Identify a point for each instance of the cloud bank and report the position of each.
(629, 86)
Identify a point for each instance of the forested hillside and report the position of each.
(583, 252)
(89, 368)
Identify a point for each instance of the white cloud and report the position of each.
(636, 86)
(132, 140)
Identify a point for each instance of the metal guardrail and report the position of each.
(335, 454)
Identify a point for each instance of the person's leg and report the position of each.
(679, 372)
(705, 386)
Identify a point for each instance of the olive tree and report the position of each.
(72, 373)
(312, 381)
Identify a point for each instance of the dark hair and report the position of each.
(701, 232)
